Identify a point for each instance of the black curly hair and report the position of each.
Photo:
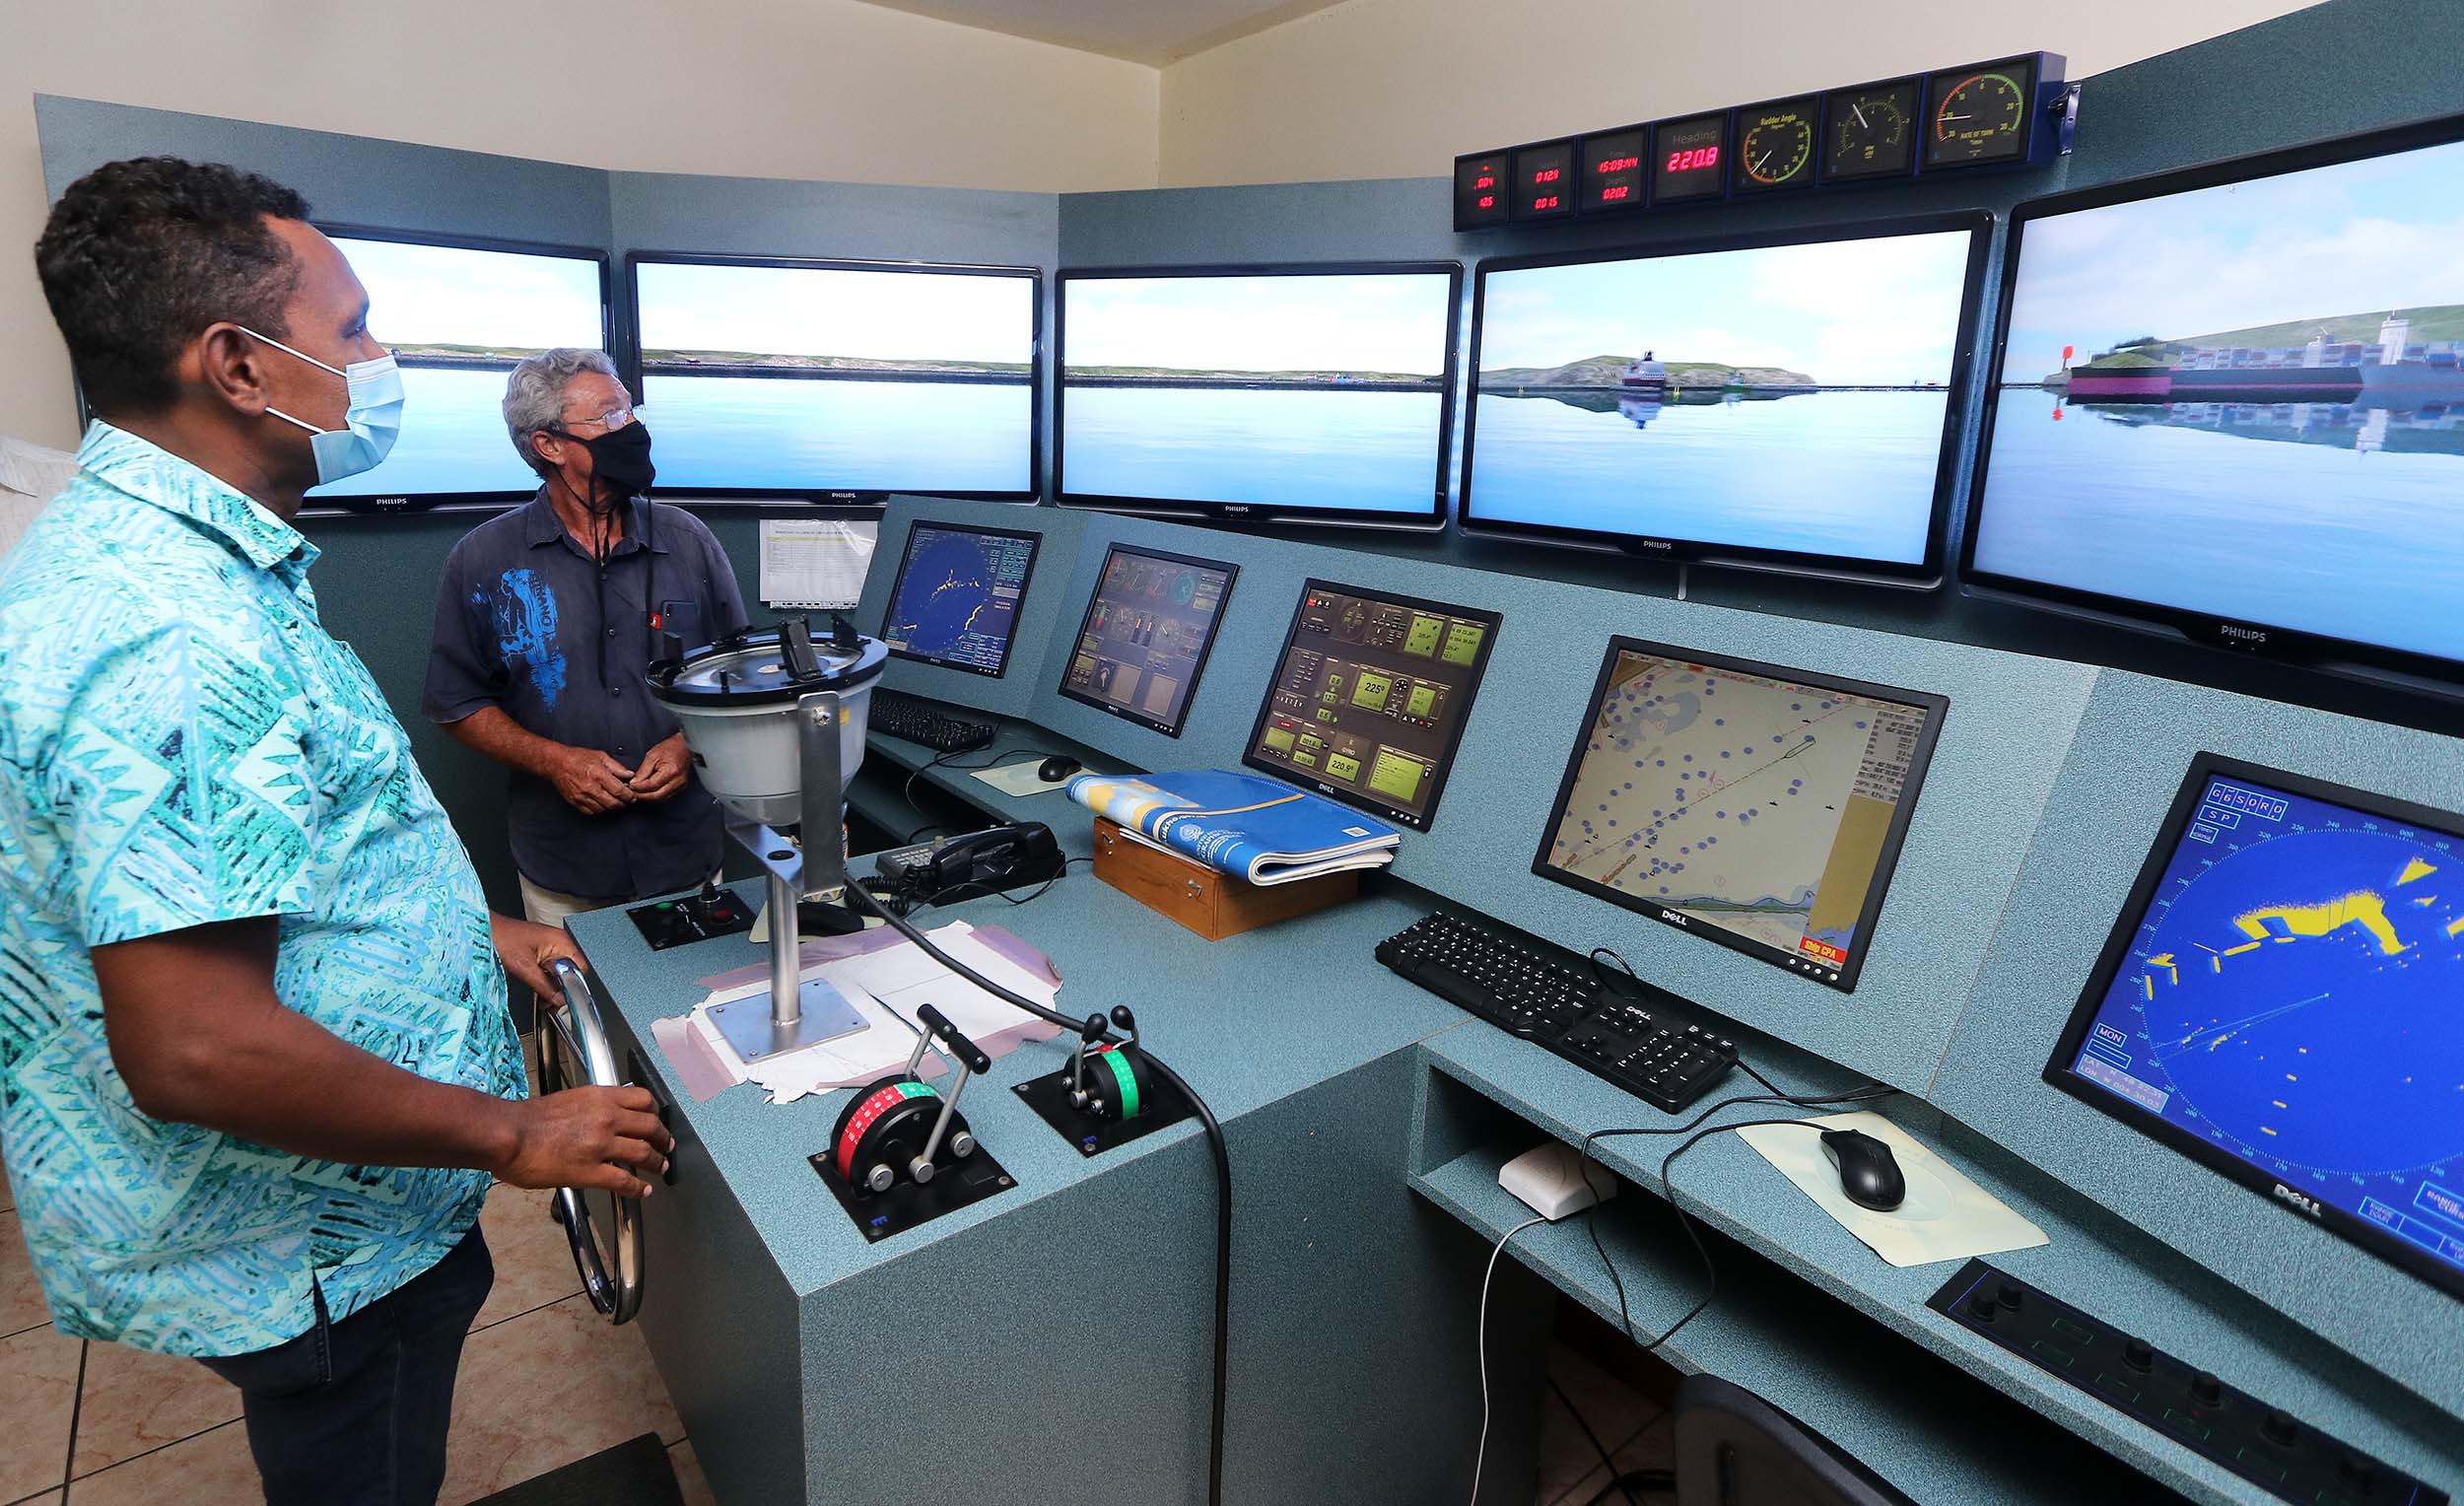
(141, 255)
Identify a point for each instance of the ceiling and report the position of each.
(1153, 31)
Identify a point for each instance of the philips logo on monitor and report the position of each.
(2306, 1205)
(2241, 634)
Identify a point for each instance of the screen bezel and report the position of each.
(1017, 611)
(2316, 650)
(1257, 512)
(380, 503)
(2354, 1228)
(1359, 801)
(844, 496)
(1925, 573)
(1197, 669)
(1885, 866)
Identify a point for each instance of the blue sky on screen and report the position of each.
(1392, 321)
(1878, 311)
(2382, 233)
(829, 312)
(440, 293)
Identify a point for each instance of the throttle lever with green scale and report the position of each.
(1112, 1079)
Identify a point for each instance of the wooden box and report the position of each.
(1213, 904)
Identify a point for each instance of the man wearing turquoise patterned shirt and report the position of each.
(256, 1064)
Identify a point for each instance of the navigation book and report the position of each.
(1252, 827)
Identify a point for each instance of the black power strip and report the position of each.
(2264, 1445)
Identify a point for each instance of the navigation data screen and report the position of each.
(1370, 698)
(1759, 810)
(2290, 1000)
(956, 600)
(1147, 634)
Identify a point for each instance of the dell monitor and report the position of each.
(955, 602)
(838, 380)
(1148, 627)
(2279, 1001)
(457, 316)
(1370, 696)
(1758, 806)
(1303, 393)
(1789, 402)
(2229, 403)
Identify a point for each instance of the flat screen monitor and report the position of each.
(838, 380)
(955, 602)
(1370, 697)
(1789, 401)
(457, 317)
(1319, 393)
(1148, 627)
(2279, 1001)
(1757, 807)
(2230, 403)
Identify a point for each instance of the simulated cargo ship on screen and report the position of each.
(2392, 370)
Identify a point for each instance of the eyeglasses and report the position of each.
(613, 420)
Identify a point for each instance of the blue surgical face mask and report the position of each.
(371, 421)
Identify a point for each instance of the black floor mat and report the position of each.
(635, 1472)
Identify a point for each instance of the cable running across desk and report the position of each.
(1206, 1121)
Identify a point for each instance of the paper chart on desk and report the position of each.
(887, 986)
(815, 562)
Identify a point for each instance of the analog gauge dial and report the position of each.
(1979, 116)
(1869, 132)
(1776, 146)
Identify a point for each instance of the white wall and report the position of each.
(1398, 88)
(812, 89)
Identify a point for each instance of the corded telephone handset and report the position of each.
(975, 863)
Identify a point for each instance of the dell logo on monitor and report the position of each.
(2309, 1205)
(1673, 917)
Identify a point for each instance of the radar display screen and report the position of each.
(2279, 1000)
(1370, 698)
(1149, 625)
(1760, 808)
(956, 599)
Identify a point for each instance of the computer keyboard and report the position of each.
(1644, 1045)
(895, 713)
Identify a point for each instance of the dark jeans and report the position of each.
(354, 1414)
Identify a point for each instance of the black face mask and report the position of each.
(621, 457)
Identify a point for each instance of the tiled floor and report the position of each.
(1628, 1424)
(543, 1382)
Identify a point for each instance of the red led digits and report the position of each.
(1691, 159)
(1615, 192)
(1547, 174)
(1616, 164)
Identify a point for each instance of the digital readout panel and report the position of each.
(1689, 159)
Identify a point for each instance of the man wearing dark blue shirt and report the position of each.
(547, 620)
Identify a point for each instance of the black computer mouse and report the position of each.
(1057, 768)
(1868, 1173)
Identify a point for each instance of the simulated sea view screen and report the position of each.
(1295, 394)
(2278, 1000)
(1788, 403)
(806, 378)
(458, 318)
(1760, 808)
(2238, 407)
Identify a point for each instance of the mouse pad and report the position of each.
(1019, 778)
(1943, 1217)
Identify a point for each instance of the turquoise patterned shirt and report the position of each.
(182, 743)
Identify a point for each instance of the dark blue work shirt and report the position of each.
(528, 622)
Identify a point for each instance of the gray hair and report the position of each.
(534, 396)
